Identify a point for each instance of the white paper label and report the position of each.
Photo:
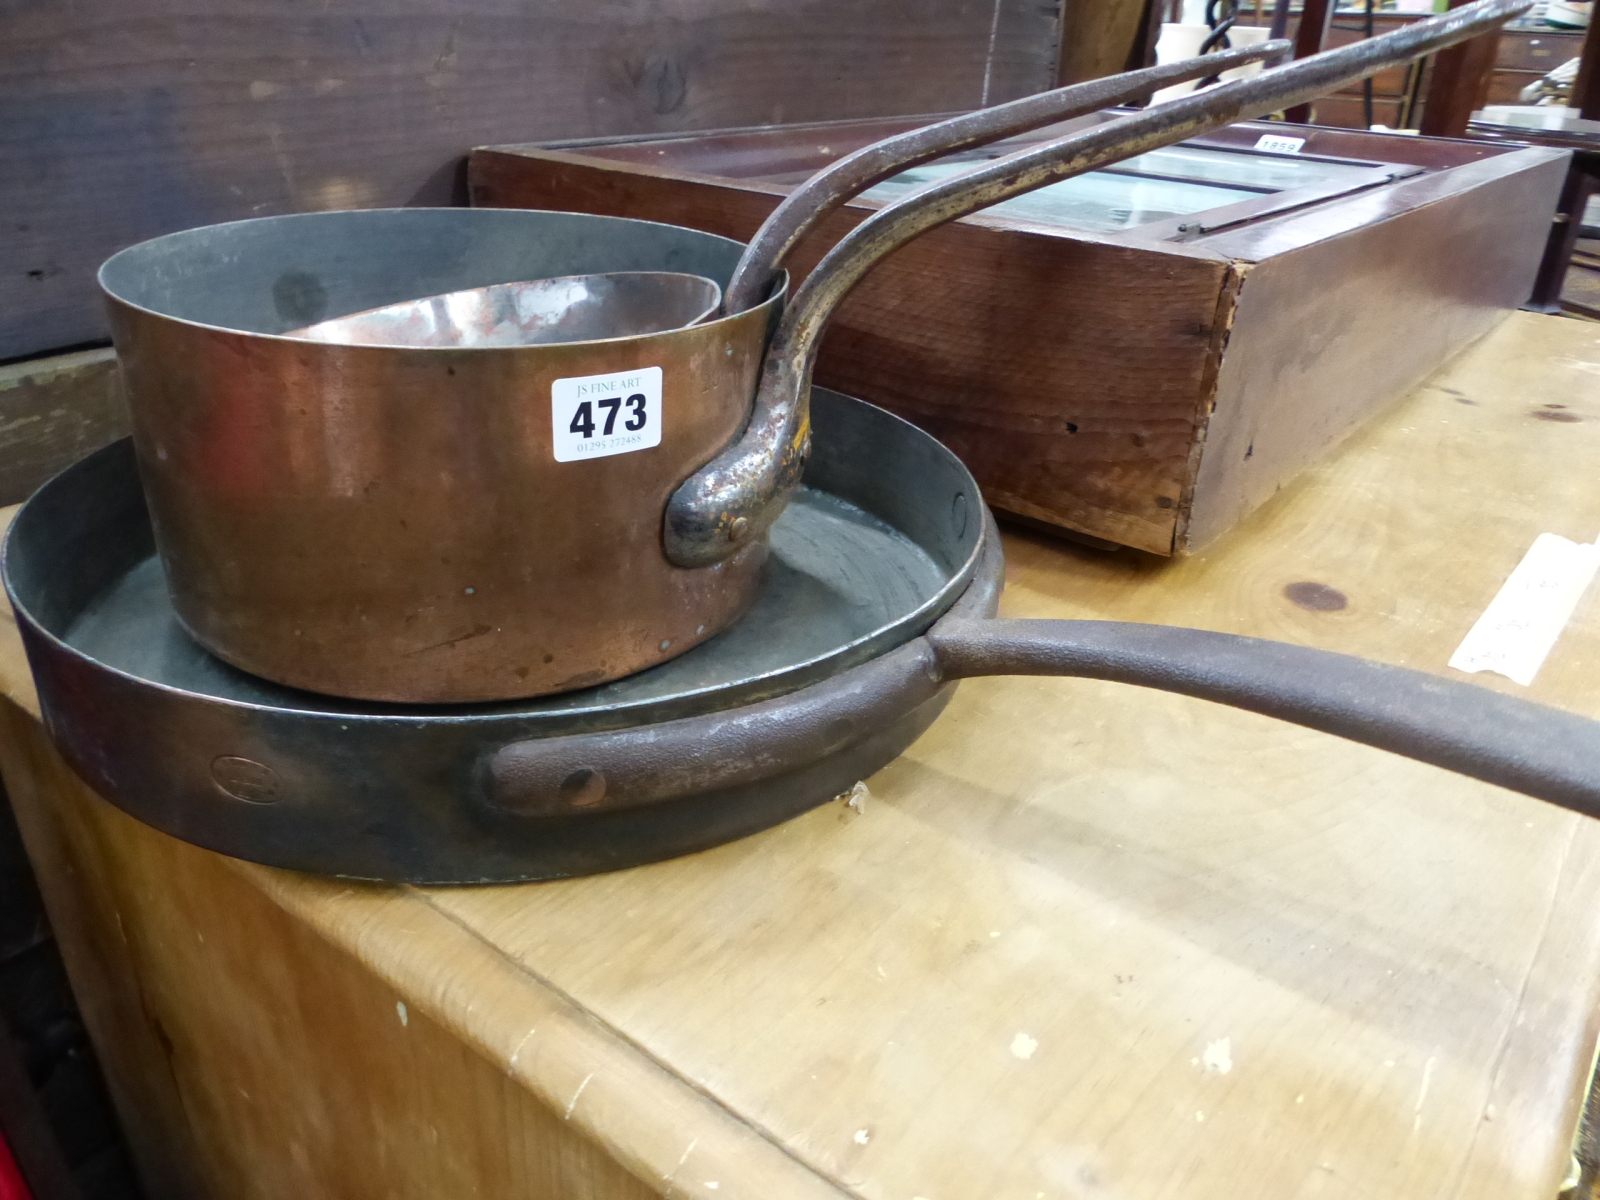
(593, 416)
(1276, 143)
(1522, 622)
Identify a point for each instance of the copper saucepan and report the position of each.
(442, 525)
(426, 524)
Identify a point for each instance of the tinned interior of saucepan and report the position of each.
(275, 274)
(425, 525)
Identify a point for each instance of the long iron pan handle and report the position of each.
(1530, 748)
(855, 173)
(737, 495)
(1513, 743)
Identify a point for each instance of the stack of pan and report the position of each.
(515, 581)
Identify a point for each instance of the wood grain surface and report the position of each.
(1082, 940)
(1586, 87)
(1097, 37)
(1310, 36)
(125, 119)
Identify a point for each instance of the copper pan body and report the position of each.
(394, 524)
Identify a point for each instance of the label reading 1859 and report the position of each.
(1276, 143)
(596, 415)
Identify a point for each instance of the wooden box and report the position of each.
(1151, 381)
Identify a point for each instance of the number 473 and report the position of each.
(583, 419)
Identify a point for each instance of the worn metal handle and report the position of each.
(737, 495)
(650, 764)
(1529, 748)
(855, 173)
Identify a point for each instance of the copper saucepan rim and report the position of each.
(121, 259)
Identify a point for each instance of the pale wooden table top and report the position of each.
(1092, 941)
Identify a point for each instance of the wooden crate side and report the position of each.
(1329, 331)
(1068, 374)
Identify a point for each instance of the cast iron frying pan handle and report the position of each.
(1513, 743)
(1543, 752)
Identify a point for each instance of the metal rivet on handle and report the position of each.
(584, 788)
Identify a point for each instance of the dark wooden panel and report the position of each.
(124, 119)
(1069, 376)
(1349, 112)
(1392, 82)
(1586, 88)
(1309, 38)
(1345, 109)
(1505, 87)
(1458, 83)
(767, 153)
